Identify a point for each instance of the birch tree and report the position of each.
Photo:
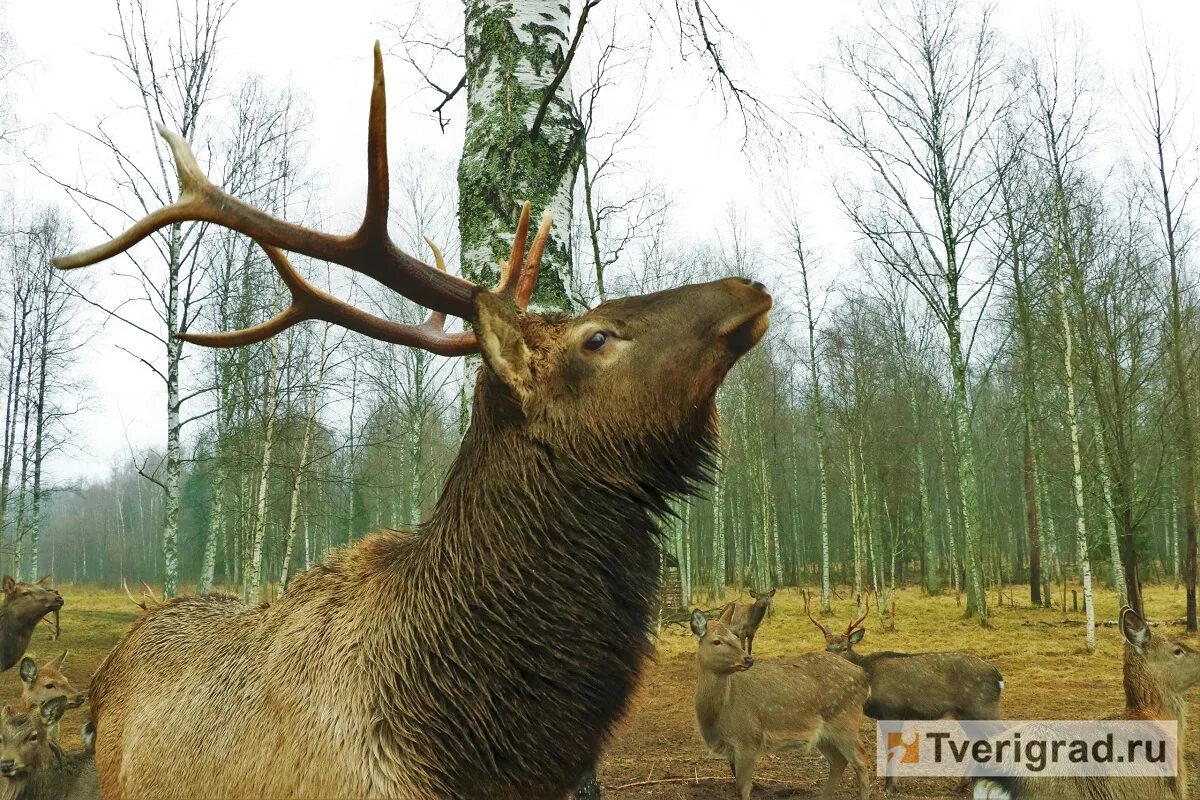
(927, 77)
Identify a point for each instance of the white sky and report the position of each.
(323, 51)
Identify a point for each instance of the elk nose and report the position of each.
(6, 766)
(749, 662)
(753, 284)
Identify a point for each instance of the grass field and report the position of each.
(657, 752)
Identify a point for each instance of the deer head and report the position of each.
(26, 603)
(621, 381)
(24, 743)
(1158, 669)
(47, 682)
(719, 651)
(841, 644)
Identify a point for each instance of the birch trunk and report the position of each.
(253, 570)
(1081, 541)
(818, 429)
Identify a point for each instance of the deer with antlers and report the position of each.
(432, 664)
(918, 685)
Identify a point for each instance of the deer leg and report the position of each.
(837, 765)
(750, 644)
(743, 771)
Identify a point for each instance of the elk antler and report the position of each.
(368, 251)
(824, 630)
(859, 621)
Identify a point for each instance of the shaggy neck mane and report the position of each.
(534, 580)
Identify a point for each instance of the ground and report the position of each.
(657, 752)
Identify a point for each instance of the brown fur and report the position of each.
(437, 663)
(24, 606)
(1158, 672)
(745, 707)
(39, 684)
(31, 768)
(744, 618)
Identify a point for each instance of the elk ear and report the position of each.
(699, 623)
(1134, 629)
(727, 613)
(58, 662)
(9, 584)
(46, 580)
(501, 343)
(52, 709)
(28, 670)
(857, 635)
(771, 593)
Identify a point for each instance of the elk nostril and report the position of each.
(757, 285)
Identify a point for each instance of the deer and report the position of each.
(744, 706)
(432, 662)
(46, 682)
(1157, 672)
(31, 768)
(915, 686)
(744, 618)
(23, 606)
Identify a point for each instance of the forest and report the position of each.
(992, 384)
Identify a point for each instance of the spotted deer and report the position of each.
(444, 671)
(1158, 671)
(918, 685)
(32, 768)
(745, 707)
(744, 618)
(39, 684)
(24, 605)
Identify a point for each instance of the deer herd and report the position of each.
(433, 663)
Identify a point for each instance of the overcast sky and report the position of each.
(322, 50)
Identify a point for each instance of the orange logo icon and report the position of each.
(903, 748)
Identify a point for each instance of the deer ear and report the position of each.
(501, 343)
(52, 709)
(857, 635)
(1134, 629)
(771, 593)
(58, 662)
(699, 623)
(9, 583)
(28, 670)
(727, 613)
(46, 580)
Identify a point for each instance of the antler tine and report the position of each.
(310, 302)
(859, 621)
(511, 276)
(368, 250)
(533, 262)
(813, 619)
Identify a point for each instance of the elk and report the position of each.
(918, 685)
(1158, 671)
(431, 663)
(23, 607)
(46, 682)
(32, 768)
(816, 699)
(744, 618)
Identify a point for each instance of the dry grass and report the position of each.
(1046, 669)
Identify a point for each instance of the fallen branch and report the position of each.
(693, 779)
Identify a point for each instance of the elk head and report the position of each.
(616, 387)
(719, 650)
(841, 644)
(47, 682)
(24, 742)
(26, 603)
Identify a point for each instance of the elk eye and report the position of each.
(33, 737)
(1178, 651)
(595, 341)
(49, 685)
